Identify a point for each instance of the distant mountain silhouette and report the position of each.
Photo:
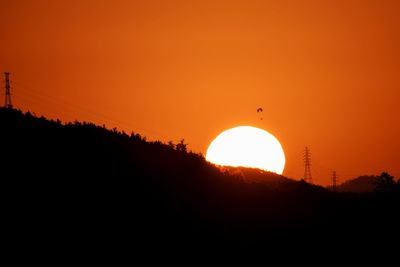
(84, 186)
(360, 184)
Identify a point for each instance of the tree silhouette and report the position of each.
(181, 146)
(385, 183)
(171, 144)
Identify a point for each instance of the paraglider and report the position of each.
(260, 110)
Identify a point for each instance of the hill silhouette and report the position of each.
(361, 184)
(82, 185)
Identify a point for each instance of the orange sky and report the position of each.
(327, 73)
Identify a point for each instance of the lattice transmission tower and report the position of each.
(8, 103)
(334, 181)
(307, 165)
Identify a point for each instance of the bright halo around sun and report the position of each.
(247, 146)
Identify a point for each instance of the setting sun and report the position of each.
(247, 146)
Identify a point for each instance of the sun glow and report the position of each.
(247, 146)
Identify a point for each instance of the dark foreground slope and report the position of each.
(81, 187)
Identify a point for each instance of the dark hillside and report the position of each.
(85, 186)
(362, 184)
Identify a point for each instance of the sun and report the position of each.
(247, 146)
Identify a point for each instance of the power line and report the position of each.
(43, 98)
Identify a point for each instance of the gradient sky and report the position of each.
(327, 73)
